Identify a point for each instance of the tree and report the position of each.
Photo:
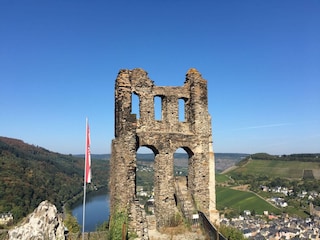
(253, 212)
(231, 233)
(71, 223)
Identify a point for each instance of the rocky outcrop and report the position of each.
(43, 223)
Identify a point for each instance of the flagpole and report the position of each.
(84, 209)
(85, 182)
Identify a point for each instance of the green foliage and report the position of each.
(308, 174)
(117, 225)
(231, 233)
(279, 182)
(296, 211)
(71, 223)
(103, 231)
(103, 227)
(133, 235)
(292, 157)
(30, 174)
(263, 156)
(306, 157)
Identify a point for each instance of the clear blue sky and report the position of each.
(59, 61)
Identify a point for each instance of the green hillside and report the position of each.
(286, 166)
(298, 172)
(239, 201)
(30, 174)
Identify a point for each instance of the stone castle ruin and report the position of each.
(163, 137)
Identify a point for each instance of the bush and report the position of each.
(118, 225)
(71, 223)
(231, 233)
(175, 220)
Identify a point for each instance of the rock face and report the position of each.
(44, 223)
(163, 136)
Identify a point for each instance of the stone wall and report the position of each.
(163, 137)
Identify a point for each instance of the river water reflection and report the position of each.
(97, 211)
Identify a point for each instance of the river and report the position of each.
(97, 211)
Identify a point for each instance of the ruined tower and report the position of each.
(163, 137)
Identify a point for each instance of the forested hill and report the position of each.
(302, 157)
(30, 174)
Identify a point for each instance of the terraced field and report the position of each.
(242, 200)
(285, 169)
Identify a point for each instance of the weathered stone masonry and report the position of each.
(163, 137)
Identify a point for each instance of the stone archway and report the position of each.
(144, 174)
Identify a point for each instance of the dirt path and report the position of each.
(155, 235)
(229, 169)
(173, 233)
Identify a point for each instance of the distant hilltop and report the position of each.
(297, 166)
(223, 161)
(301, 157)
(150, 156)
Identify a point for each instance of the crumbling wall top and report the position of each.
(193, 76)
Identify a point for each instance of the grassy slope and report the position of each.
(221, 178)
(236, 200)
(241, 200)
(277, 168)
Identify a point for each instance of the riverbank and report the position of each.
(97, 210)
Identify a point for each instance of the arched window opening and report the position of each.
(145, 178)
(181, 160)
(157, 107)
(182, 116)
(135, 105)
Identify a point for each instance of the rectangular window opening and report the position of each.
(181, 103)
(158, 108)
(135, 105)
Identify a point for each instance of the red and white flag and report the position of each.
(87, 170)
